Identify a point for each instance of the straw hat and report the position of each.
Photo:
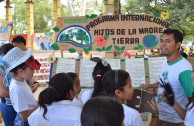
(15, 57)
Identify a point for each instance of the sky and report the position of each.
(2, 10)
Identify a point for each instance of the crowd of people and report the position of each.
(103, 105)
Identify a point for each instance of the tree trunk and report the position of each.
(117, 7)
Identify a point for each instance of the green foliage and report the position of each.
(43, 17)
(108, 48)
(90, 48)
(99, 49)
(93, 16)
(180, 11)
(55, 46)
(136, 48)
(85, 49)
(140, 46)
(72, 50)
(103, 48)
(106, 37)
(82, 36)
(65, 11)
(117, 48)
(123, 48)
(55, 29)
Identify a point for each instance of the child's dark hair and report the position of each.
(98, 73)
(177, 35)
(59, 86)
(102, 111)
(108, 81)
(72, 75)
(5, 48)
(19, 39)
(22, 66)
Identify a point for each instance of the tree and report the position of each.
(181, 12)
(43, 16)
(82, 36)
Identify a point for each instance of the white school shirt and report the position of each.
(173, 73)
(21, 96)
(87, 95)
(132, 117)
(189, 119)
(77, 102)
(61, 113)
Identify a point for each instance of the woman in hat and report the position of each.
(22, 65)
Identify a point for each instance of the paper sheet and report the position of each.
(155, 65)
(114, 63)
(65, 65)
(136, 69)
(85, 73)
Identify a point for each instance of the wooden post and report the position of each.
(30, 23)
(8, 11)
(56, 11)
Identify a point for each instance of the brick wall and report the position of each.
(42, 75)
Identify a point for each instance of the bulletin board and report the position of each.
(141, 70)
(108, 32)
(5, 33)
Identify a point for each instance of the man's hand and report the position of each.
(152, 104)
(34, 87)
(145, 86)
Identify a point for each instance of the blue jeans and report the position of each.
(19, 122)
(8, 114)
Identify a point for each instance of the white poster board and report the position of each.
(155, 65)
(85, 73)
(65, 65)
(136, 69)
(114, 63)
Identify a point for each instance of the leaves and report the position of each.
(117, 48)
(87, 16)
(156, 15)
(55, 46)
(123, 48)
(140, 46)
(106, 37)
(85, 49)
(103, 48)
(72, 50)
(90, 48)
(136, 48)
(93, 16)
(99, 49)
(108, 48)
(55, 29)
(168, 19)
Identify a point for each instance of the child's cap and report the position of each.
(15, 57)
(33, 63)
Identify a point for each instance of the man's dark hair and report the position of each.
(19, 39)
(178, 36)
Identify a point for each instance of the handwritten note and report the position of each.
(114, 63)
(85, 74)
(136, 69)
(155, 65)
(65, 65)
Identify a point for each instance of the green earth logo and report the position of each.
(75, 35)
(150, 41)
